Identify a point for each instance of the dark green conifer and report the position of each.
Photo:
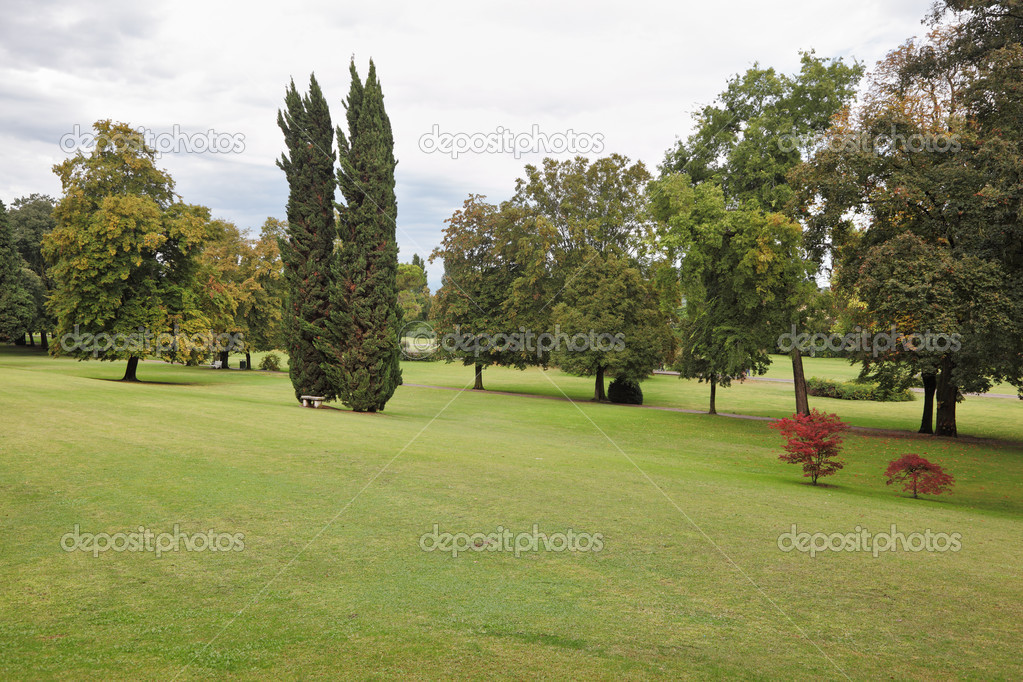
(362, 345)
(307, 249)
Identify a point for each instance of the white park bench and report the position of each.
(313, 401)
(216, 364)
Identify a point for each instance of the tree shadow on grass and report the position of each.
(150, 382)
(989, 504)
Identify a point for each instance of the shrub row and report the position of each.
(846, 390)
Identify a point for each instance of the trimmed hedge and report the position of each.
(847, 390)
(625, 392)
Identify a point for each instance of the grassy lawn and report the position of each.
(977, 416)
(332, 581)
(840, 370)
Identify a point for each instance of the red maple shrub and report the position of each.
(919, 475)
(813, 441)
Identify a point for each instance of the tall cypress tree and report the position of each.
(307, 249)
(362, 345)
(16, 307)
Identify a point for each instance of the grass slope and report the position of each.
(332, 581)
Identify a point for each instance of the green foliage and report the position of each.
(742, 276)
(607, 302)
(32, 219)
(263, 312)
(562, 211)
(598, 205)
(362, 347)
(307, 247)
(241, 285)
(847, 390)
(221, 285)
(760, 127)
(625, 392)
(413, 292)
(479, 271)
(123, 251)
(917, 192)
(564, 218)
(16, 303)
(271, 362)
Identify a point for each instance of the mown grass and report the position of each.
(979, 416)
(332, 581)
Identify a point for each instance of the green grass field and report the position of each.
(332, 581)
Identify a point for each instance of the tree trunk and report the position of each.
(20, 340)
(799, 378)
(598, 386)
(129, 371)
(223, 359)
(946, 393)
(248, 360)
(713, 394)
(32, 339)
(927, 421)
(478, 386)
(42, 340)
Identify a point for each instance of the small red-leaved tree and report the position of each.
(919, 475)
(813, 441)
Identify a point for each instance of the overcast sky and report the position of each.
(623, 76)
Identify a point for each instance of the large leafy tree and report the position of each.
(361, 347)
(742, 274)
(307, 250)
(564, 217)
(16, 304)
(609, 322)
(988, 44)
(761, 127)
(597, 204)
(123, 251)
(31, 220)
(920, 288)
(932, 152)
(242, 286)
(413, 291)
(264, 312)
(469, 310)
(220, 280)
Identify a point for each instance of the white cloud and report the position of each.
(631, 71)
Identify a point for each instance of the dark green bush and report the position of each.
(625, 392)
(844, 390)
(271, 362)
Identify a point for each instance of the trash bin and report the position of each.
(241, 364)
